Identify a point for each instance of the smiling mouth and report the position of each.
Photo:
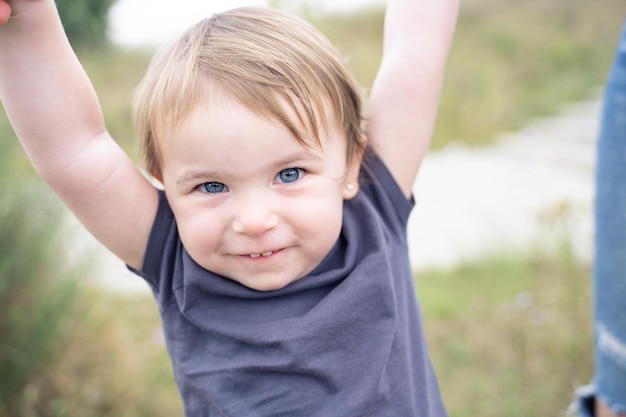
(259, 255)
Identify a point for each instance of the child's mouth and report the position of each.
(258, 255)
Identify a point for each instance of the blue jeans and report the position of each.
(609, 269)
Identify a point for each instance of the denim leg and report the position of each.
(609, 269)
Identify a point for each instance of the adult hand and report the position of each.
(5, 12)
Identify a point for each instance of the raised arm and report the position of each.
(404, 99)
(57, 117)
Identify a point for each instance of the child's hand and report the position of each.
(5, 12)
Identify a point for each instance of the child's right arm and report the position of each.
(57, 117)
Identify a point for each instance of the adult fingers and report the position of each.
(5, 12)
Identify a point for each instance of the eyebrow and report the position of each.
(195, 177)
(198, 176)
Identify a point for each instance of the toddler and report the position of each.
(276, 247)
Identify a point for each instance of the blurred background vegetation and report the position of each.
(510, 334)
(85, 21)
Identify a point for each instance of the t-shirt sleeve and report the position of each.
(382, 189)
(162, 242)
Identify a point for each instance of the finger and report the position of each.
(5, 12)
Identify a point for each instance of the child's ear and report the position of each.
(351, 183)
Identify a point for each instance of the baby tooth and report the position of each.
(255, 255)
(268, 253)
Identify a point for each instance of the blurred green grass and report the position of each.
(38, 285)
(510, 335)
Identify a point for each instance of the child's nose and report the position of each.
(254, 218)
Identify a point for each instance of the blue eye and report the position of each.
(213, 187)
(289, 175)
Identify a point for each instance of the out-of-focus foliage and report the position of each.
(511, 334)
(85, 21)
(511, 60)
(36, 288)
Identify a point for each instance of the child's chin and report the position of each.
(274, 284)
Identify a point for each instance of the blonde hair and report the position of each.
(266, 59)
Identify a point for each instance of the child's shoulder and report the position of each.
(379, 186)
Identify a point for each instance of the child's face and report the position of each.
(250, 202)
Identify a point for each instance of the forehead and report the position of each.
(222, 131)
(234, 146)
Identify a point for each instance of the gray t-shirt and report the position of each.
(344, 341)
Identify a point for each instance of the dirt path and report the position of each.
(521, 191)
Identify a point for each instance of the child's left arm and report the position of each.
(404, 99)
